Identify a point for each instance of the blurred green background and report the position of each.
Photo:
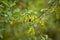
(29, 19)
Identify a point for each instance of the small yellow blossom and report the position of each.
(37, 20)
(26, 19)
(42, 23)
(31, 18)
(31, 31)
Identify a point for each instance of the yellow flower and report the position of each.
(42, 23)
(37, 20)
(26, 19)
(31, 18)
(31, 31)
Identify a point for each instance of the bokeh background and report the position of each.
(29, 19)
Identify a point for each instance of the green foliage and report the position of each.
(29, 20)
